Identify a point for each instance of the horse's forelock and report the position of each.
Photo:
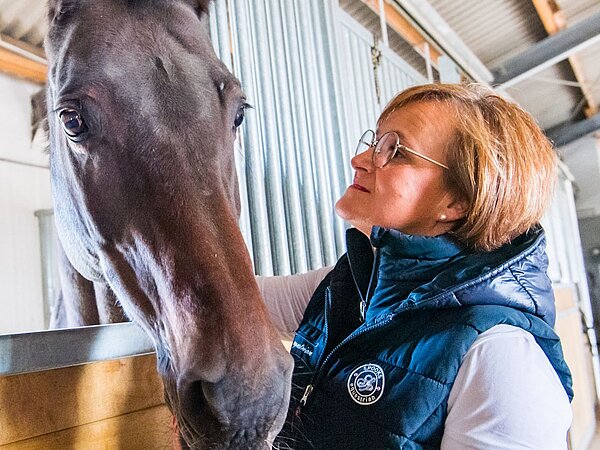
(199, 5)
(202, 5)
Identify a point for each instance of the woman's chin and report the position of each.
(350, 216)
(342, 208)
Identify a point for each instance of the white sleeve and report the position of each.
(287, 297)
(506, 396)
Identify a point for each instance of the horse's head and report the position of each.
(142, 119)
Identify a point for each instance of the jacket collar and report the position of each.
(447, 275)
(395, 244)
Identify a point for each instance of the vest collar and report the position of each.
(447, 275)
(395, 244)
(401, 262)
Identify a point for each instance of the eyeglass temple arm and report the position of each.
(423, 156)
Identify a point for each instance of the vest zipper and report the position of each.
(307, 392)
(365, 300)
(318, 373)
(309, 388)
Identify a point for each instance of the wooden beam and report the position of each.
(404, 28)
(551, 16)
(13, 60)
(554, 21)
(22, 45)
(584, 84)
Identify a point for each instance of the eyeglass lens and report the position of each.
(365, 142)
(385, 149)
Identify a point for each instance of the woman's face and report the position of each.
(409, 193)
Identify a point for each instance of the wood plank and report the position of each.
(578, 356)
(148, 429)
(22, 67)
(564, 299)
(404, 28)
(39, 403)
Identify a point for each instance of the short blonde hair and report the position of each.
(500, 162)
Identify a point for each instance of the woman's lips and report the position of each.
(359, 187)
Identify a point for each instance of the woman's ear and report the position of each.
(453, 209)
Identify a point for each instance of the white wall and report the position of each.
(24, 188)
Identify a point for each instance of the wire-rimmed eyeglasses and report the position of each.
(386, 148)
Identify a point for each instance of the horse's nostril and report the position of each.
(191, 410)
(192, 398)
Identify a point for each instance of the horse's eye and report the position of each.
(239, 117)
(73, 124)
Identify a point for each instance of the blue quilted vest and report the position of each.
(383, 382)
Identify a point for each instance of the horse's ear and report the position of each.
(59, 7)
(53, 5)
(39, 113)
(201, 7)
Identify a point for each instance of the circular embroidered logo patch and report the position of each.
(365, 384)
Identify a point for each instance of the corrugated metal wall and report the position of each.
(306, 68)
(291, 164)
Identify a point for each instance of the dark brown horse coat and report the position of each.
(142, 119)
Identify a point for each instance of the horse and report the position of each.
(79, 302)
(142, 119)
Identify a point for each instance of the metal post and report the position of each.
(213, 26)
(334, 30)
(48, 252)
(427, 52)
(383, 23)
(352, 111)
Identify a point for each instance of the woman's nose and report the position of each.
(363, 160)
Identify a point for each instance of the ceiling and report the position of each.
(24, 20)
(505, 35)
(494, 32)
(498, 30)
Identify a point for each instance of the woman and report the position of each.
(435, 329)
